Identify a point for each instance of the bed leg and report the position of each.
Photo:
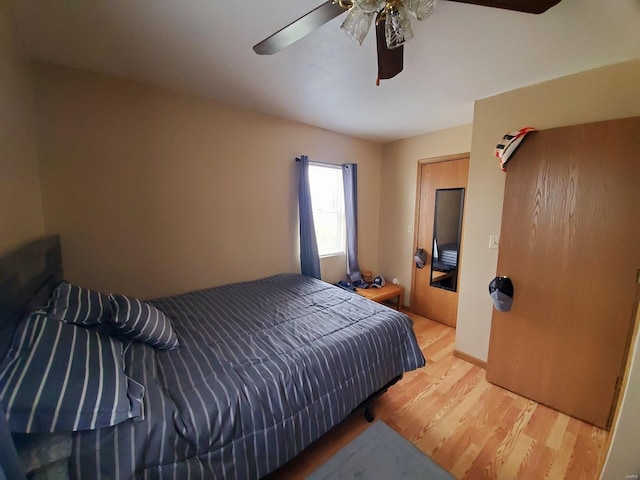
(368, 402)
(368, 412)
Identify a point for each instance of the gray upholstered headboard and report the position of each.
(27, 277)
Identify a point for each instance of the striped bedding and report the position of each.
(62, 378)
(263, 369)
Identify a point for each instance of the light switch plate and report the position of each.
(494, 241)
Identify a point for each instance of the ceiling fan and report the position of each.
(392, 24)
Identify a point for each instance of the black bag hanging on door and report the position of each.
(501, 291)
(420, 257)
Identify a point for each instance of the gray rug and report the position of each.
(379, 453)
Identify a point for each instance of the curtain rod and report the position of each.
(323, 164)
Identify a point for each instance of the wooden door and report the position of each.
(431, 302)
(570, 242)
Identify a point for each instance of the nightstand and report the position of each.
(383, 293)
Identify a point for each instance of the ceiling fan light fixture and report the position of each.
(370, 6)
(420, 9)
(357, 23)
(393, 24)
(397, 25)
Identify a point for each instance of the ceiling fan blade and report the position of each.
(298, 29)
(527, 6)
(390, 60)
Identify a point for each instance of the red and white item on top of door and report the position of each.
(508, 144)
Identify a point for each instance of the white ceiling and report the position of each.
(459, 54)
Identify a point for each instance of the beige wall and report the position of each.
(398, 196)
(21, 218)
(155, 192)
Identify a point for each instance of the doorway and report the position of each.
(440, 196)
(569, 242)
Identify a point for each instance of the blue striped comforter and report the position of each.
(264, 368)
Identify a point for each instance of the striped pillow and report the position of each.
(60, 377)
(143, 322)
(78, 305)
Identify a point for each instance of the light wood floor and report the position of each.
(470, 427)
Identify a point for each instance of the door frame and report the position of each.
(416, 220)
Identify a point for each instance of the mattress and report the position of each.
(264, 368)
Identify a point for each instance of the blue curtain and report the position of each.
(309, 259)
(350, 180)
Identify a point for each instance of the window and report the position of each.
(327, 198)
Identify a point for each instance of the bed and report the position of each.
(258, 372)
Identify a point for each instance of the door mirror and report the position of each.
(447, 231)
